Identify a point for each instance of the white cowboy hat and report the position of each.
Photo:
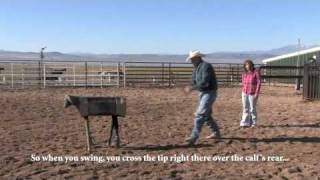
(193, 54)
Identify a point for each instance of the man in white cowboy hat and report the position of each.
(203, 80)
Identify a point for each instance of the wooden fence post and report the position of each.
(118, 74)
(11, 75)
(124, 74)
(86, 73)
(44, 75)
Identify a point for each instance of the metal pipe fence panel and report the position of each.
(311, 85)
(46, 74)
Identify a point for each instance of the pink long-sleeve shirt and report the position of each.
(251, 82)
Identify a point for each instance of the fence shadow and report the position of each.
(228, 140)
(275, 139)
(316, 125)
(165, 147)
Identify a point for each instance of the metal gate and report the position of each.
(311, 82)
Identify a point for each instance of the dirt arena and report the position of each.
(34, 122)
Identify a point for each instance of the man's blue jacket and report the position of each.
(204, 77)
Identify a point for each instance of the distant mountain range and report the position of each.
(219, 57)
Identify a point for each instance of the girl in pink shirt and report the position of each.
(251, 83)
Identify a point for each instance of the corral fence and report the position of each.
(283, 75)
(44, 74)
(20, 74)
(311, 85)
(175, 74)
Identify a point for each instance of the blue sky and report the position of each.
(157, 26)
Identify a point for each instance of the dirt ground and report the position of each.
(35, 123)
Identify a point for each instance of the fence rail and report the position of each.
(20, 74)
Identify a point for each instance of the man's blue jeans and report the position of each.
(203, 114)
